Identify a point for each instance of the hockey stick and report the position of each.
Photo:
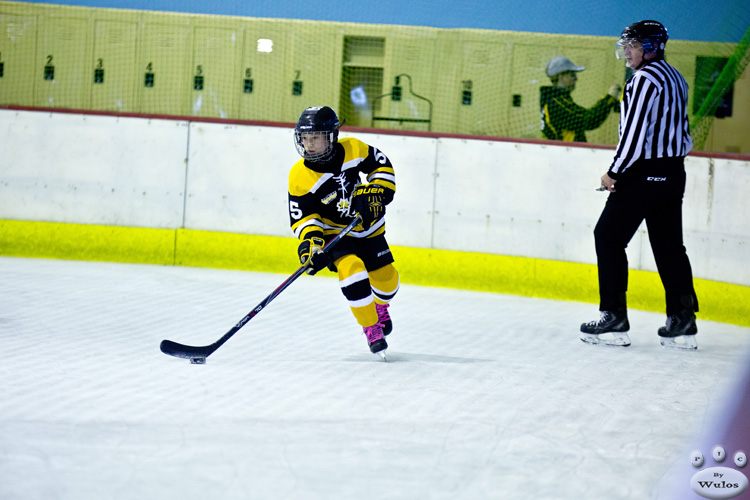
(198, 354)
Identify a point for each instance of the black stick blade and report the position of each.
(198, 355)
(185, 351)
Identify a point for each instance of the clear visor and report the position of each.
(626, 44)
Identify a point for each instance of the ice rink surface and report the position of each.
(484, 396)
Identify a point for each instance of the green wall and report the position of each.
(494, 66)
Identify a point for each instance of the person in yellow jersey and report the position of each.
(562, 118)
(335, 180)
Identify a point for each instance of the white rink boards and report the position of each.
(465, 194)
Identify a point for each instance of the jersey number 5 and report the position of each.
(294, 210)
(379, 157)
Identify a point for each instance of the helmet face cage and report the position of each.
(318, 156)
(319, 121)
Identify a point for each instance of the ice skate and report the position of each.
(384, 318)
(375, 339)
(680, 331)
(610, 329)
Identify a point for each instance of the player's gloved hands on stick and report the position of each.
(369, 202)
(311, 254)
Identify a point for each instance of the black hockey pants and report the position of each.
(650, 190)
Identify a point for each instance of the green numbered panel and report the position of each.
(262, 85)
(213, 81)
(310, 79)
(479, 96)
(61, 63)
(411, 60)
(112, 73)
(17, 49)
(162, 79)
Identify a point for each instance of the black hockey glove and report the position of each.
(369, 202)
(311, 254)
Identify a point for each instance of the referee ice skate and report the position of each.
(325, 194)
(646, 181)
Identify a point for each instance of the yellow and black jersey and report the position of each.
(320, 193)
(564, 120)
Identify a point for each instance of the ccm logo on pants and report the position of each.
(656, 179)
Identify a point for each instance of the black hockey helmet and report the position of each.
(652, 36)
(317, 120)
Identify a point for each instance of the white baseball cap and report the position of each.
(558, 64)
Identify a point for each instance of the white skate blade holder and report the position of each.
(685, 342)
(619, 339)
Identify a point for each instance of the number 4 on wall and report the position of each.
(148, 80)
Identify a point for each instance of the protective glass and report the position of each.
(626, 44)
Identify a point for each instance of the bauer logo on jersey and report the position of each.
(328, 199)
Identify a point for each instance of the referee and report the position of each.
(646, 181)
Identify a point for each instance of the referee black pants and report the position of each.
(651, 190)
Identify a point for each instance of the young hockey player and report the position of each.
(333, 182)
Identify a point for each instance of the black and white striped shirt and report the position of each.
(653, 117)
